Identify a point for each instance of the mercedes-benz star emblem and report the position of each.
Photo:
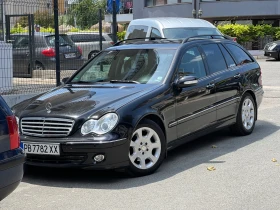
(48, 107)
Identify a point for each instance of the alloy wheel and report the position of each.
(145, 148)
(248, 114)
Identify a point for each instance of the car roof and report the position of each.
(165, 44)
(37, 34)
(172, 22)
(78, 33)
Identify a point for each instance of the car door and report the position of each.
(194, 105)
(221, 67)
(21, 54)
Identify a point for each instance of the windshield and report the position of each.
(63, 40)
(182, 33)
(145, 66)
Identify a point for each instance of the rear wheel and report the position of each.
(39, 66)
(147, 149)
(246, 116)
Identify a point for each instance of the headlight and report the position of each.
(101, 126)
(272, 46)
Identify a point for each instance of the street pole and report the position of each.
(100, 29)
(114, 22)
(56, 28)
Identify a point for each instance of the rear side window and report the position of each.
(137, 31)
(241, 56)
(86, 38)
(20, 42)
(229, 59)
(214, 57)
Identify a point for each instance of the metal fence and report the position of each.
(27, 41)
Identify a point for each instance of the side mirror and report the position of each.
(64, 80)
(187, 81)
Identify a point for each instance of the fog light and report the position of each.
(99, 158)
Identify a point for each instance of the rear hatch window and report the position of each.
(86, 38)
(182, 33)
(64, 40)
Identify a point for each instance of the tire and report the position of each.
(146, 154)
(246, 116)
(92, 54)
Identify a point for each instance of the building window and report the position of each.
(159, 2)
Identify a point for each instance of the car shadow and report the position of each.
(271, 60)
(178, 160)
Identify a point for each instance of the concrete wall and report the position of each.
(211, 9)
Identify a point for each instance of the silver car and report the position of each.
(89, 42)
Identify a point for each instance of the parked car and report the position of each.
(44, 58)
(132, 103)
(171, 28)
(89, 42)
(272, 50)
(11, 155)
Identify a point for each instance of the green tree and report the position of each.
(86, 13)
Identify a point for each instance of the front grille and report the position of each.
(46, 127)
(48, 159)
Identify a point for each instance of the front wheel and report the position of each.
(246, 116)
(147, 149)
(92, 54)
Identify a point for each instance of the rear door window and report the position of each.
(214, 57)
(85, 38)
(137, 31)
(20, 42)
(240, 55)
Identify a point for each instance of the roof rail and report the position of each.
(144, 38)
(205, 35)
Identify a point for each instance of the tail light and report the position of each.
(13, 132)
(260, 78)
(80, 50)
(49, 52)
(112, 43)
(234, 39)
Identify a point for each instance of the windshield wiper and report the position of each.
(87, 82)
(124, 81)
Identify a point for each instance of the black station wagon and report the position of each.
(132, 103)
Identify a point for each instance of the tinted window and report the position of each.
(137, 31)
(214, 57)
(192, 64)
(20, 41)
(240, 55)
(155, 33)
(63, 40)
(229, 59)
(182, 33)
(85, 38)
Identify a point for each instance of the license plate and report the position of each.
(40, 148)
(70, 55)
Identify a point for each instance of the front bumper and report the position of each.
(11, 171)
(81, 154)
(273, 54)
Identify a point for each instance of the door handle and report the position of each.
(210, 86)
(237, 76)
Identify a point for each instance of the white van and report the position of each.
(169, 27)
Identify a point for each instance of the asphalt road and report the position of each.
(245, 175)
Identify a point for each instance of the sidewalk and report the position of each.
(258, 54)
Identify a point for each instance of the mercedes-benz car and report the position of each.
(272, 49)
(133, 102)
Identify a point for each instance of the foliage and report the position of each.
(86, 13)
(19, 29)
(245, 33)
(121, 35)
(42, 18)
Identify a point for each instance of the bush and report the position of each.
(251, 33)
(18, 29)
(121, 35)
(42, 18)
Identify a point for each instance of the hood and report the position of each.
(76, 101)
